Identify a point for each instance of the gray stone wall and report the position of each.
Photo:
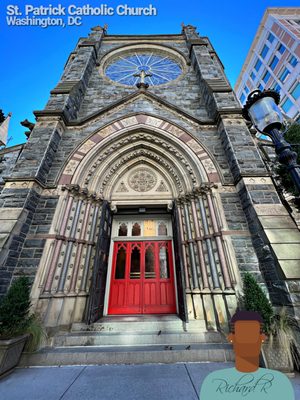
(245, 254)
(234, 214)
(102, 91)
(36, 159)
(33, 245)
(243, 156)
(255, 194)
(8, 158)
(27, 200)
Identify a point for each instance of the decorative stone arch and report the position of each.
(69, 274)
(159, 136)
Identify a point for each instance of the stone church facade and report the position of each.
(141, 191)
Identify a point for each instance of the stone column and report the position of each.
(61, 286)
(205, 281)
(195, 283)
(183, 246)
(58, 244)
(82, 235)
(207, 239)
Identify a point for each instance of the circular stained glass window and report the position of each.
(149, 67)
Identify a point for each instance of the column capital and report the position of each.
(76, 191)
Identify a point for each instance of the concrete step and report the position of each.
(95, 355)
(126, 324)
(133, 339)
(105, 338)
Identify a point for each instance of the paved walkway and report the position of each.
(121, 382)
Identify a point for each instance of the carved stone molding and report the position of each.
(254, 180)
(201, 190)
(188, 148)
(145, 137)
(162, 187)
(122, 188)
(138, 153)
(51, 192)
(84, 193)
(24, 185)
(205, 188)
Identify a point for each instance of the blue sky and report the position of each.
(32, 58)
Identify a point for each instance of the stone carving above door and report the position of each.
(162, 187)
(122, 187)
(142, 180)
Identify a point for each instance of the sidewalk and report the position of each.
(135, 382)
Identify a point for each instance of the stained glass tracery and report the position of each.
(160, 69)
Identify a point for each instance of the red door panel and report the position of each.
(142, 279)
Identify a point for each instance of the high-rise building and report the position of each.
(273, 60)
(140, 200)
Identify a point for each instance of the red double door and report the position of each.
(142, 279)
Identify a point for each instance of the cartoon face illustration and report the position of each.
(246, 378)
(247, 338)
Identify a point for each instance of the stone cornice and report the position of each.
(26, 183)
(239, 182)
(226, 111)
(90, 44)
(218, 85)
(65, 87)
(30, 179)
(52, 113)
(254, 180)
(195, 42)
(11, 149)
(136, 94)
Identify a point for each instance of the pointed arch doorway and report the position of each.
(144, 270)
(139, 162)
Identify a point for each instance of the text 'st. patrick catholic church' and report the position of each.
(141, 196)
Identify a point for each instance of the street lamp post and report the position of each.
(262, 110)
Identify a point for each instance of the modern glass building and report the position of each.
(273, 59)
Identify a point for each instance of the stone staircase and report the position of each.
(134, 340)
